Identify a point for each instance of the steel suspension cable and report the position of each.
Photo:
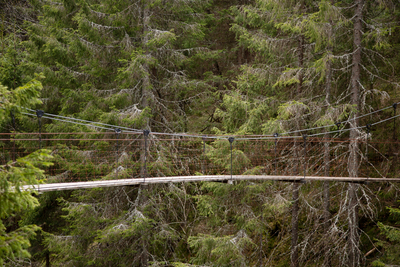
(262, 137)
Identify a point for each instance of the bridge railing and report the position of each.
(95, 156)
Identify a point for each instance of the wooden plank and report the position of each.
(209, 178)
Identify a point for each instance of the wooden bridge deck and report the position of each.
(208, 178)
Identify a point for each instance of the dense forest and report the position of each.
(210, 68)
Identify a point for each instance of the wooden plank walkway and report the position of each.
(208, 178)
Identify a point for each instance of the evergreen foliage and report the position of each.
(14, 240)
(209, 67)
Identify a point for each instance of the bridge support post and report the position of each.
(394, 121)
(276, 142)
(117, 132)
(231, 139)
(39, 114)
(366, 149)
(203, 165)
(305, 155)
(13, 125)
(144, 167)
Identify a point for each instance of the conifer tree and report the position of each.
(118, 60)
(14, 175)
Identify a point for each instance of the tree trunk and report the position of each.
(300, 54)
(142, 199)
(353, 240)
(146, 87)
(294, 254)
(326, 205)
(326, 185)
(47, 258)
(300, 64)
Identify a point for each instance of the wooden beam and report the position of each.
(205, 178)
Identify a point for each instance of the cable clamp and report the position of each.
(39, 113)
(146, 132)
(368, 128)
(276, 135)
(231, 139)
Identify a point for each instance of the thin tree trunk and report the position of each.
(353, 240)
(47, 258)
(141, 201)
(300, 54)
(326, 185)
(294, 254)
(146, 87)
(326, 205)
(300, 64)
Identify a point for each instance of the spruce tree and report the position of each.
(119, 60)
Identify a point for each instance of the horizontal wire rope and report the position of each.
(74, 122)
(81, 120)
(342, 122)
(127, 129)
(260, 137)
(223, 137)
(359, 127)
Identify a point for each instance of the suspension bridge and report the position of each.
(120, 156)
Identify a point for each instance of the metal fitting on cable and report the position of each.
(368, 128)
(39, 113)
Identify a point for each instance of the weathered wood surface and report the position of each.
(208, 178)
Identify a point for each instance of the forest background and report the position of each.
(240, 67)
